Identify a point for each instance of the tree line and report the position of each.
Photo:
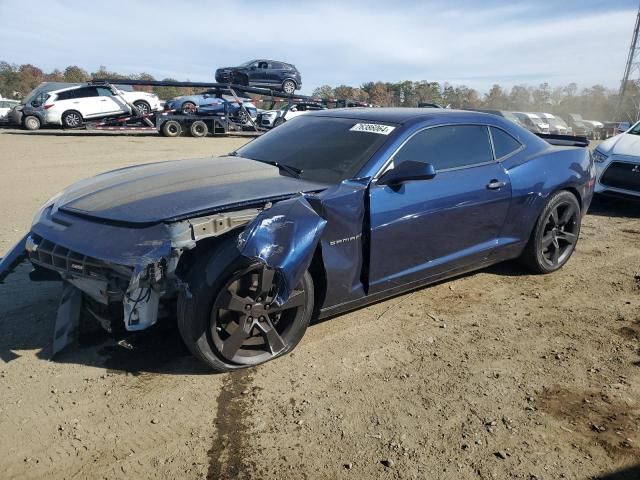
(593, 103)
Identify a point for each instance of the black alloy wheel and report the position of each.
(247, 327)
(560, 234)
(555, 235)
(228, 319)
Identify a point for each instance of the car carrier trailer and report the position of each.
(171, 124)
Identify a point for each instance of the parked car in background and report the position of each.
(213, 102)
(579, 127)
(5, 107)
(597, 129)
(273, 118)
(30, 113)
(512, 117)
(617, 161)
(532, 122)
(71, 107)
(263, 73)
(557, 126)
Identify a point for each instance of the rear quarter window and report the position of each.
(503, 143)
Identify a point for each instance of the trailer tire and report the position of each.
(31, 122)
(72, 119)
(171, 128)
(198, 129)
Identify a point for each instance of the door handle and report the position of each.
(103, 100)
(495, 184)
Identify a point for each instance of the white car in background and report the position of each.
(273, 118)
(5, 106)
(617, 162)
(70, 107)
(532, 122)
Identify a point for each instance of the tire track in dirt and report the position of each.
(229, 455)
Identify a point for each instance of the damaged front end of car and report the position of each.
(120, 274)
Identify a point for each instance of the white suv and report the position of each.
(70, 107)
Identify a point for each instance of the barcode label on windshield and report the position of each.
(372, 128)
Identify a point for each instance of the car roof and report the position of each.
(399, 115)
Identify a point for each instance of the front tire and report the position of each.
(31, 122)
(555, 234)
(72, 119)
(279, 121)
(229, 321)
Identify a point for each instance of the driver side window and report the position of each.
(448, 147)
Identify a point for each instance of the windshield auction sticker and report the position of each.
(372, 128)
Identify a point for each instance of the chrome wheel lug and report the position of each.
(247, 307)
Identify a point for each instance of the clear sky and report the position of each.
(476, 43)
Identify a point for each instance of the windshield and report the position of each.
(635, 130)
(246, 64)
(324, 148)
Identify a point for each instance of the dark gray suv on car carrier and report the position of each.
(263, 73)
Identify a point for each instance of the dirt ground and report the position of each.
(494, 375)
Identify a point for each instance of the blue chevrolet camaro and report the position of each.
(329, 212)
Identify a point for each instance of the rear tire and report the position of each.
(188, 108)
(143, 107)
(289, 86)
(72, 119)
(224, 335)
(171, 128)
(31, 122)
(198, 129)
(554, 235)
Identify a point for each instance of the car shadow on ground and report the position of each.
(604, 206)
(27, 319)
(631, 473)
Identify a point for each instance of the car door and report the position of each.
(87, 102)
(258, 73)
(423, 228)
(110, 103)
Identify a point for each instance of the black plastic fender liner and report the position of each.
(13, 258)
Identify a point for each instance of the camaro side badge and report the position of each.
(372, 128)
(343, 240)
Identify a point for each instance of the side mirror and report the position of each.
(408, 170)
(253, 67)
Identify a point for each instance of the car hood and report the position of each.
(169, 191)
(623, 144)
